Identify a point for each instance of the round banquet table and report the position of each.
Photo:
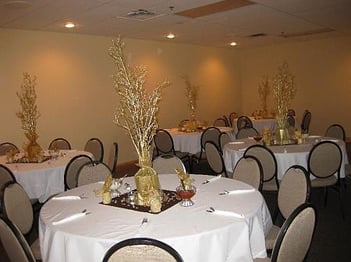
(286, 156)
(191, 141)
(42, 180)
(196, 234)
(259, 124)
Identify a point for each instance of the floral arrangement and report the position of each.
(137, 112)
(284, 91)
(29, 115)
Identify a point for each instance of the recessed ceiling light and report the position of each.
(170, 36)
(69, 25)
(233, 43)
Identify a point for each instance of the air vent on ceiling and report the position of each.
(257, 35)
(140, 14)
(307, 33)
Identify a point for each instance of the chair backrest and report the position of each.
(249, 170)
(17, 207)
(291, 120)
(60, 143)
(7, 146)
(243, 122)
(306, 120)
(166, 164)
(6, 175)
(246, 132)
(294, 190)
(336, 130)
(96, 147)
(224, 139)
(295, 236)
(215, 158)
(142, 249)
(220, 122)
(210, 134)
(72, 168)
(267, 160)
(324, 159)
(232, 116)
(14, 243)
(163, 142)
(291, 112)
(113, 157)
(92, 172)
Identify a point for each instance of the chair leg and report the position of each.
(325, 196)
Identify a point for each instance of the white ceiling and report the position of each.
(274, 18)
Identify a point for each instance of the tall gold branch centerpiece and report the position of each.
(137, 114)
(263, 91)
(192, 93)
(29, 115)
(284, 91)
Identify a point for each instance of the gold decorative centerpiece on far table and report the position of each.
(29, 115)
(191, 92)
(283, 93)
(137, 114)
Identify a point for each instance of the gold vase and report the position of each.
(147, 183)
(32, 148)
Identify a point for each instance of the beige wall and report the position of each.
(75, 90)
(322, 70)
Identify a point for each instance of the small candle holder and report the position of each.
(186, 195)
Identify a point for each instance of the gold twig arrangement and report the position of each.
(263, 91)
(191, 92)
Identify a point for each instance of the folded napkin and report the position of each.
(237, 191)
(67, 198)
(212, 179)
(69, 218)
(227, 213)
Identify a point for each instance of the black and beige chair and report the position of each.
(17, 208)
(6, 147)
(96, 147)
(6, 176)
(15, 245)
(142, 249)
(232, 117)
(306, 120)
(246, 132)
(215, 159)
(220, 122)
(295, 236)
(291, 121)
(269, 166)
(249, 170)
(164, 145)
(294, 190)
(72, 168)
(113, 157)
(243, 122)
(209, 134)
(92, 172)
(336, 131)
(224, 139)
(59, 144)
(324, 164)
(167, 164)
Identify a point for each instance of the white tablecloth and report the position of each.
(42, 180)
(191, 142)
(286, 155)
(196, 234)
(259, 124)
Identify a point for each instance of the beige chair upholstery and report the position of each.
(243, 122)
(96, 147)
(167, 164)
(224, 139)
(18, 209)
(7, 146)
(337, 131)
(294, 190)
(6, 175)
(59, 144)
(215, 158)
(246, 132)
(92, 172)
(220, 121)
(324, 163)
(295, 236)
(72, 168)
(249, 170)
(269, 165)
(14, 243)
(142, 249)
(113, 157)
(232, 117)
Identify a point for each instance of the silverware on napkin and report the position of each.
(71, 217)
(237, 191)
(212, 179)
(224, 213)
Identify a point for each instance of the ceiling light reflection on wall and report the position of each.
(233, 43)
(171, 36)
(69, 25)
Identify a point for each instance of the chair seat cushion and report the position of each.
(271, 237)
(270, 186)
(323, 182)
